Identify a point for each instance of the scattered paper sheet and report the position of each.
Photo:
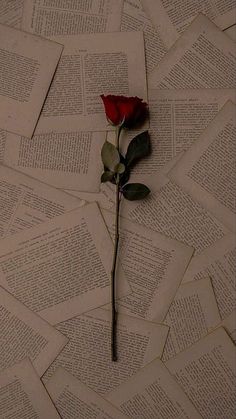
(61, 268)
(25, 334)
(66, 160)
(28, 63)
(26, 202)
(71, 397)
(71, 17)
(91, 65)
(206, 373)
(23, 395)
(207, 169)
(229, 323)
(191, 316)
(231, 32)
(154, 266)
(153, 393)
(11, 12)
(104, 198)
(202, 57)
(218, 263)
(88, 353)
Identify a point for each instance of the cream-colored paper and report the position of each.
(71, 397)
(191, 316)
(135, 19)
(179, 14)
(66, 160)
(91, 65)
(153, 393)
(104, 198)
(203, 57)
(24, 333)
(22, 394)
(61, 268)
(218, 263)
(71, 17)
(172, 212)
(231, 32)
(11, 12)
(154, 266)
(27, 66)
(206, 372)
(207, 169)
(229, 323)
(26, 202)
(88, 353)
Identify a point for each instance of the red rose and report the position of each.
(128, 111)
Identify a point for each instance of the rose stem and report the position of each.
(113, 271)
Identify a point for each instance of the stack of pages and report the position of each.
(176, 286)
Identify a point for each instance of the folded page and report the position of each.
(91, 65)
(88, 354)
(66, 160)
(27, 66)
(179, 14)
(11, 12)
(207, 169)
(218, 263)
(104, 197)
(61, 268)
(25, 334)
(153, 393)
(191, 316)
(154, 266)
(206, 372)
(71, 17)
(23, 395)
(229, 323)
(73, 398)
(203, 57)
(25, 202)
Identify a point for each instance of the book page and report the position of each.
(180, 13)
(68, 17)
(153, 393)
(11, 12)
(88, 353)
(91, 65)
(231, 32)
(206, 372)
(66, 160)
(218, 263)
(23, 395)
(191, 316)
(61, 268)
(26, 202)
(24, 57)
(203, 57)
(207, 169)
(154, 266)
(24, 334)
(104, 198)
(229, 323)
(71, 396)
(135, 19)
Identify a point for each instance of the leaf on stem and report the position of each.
(138, 148)
(107, 176)
(135, 191)
(120, 168)
(110, 156)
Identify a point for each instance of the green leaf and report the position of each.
(110, 156)
(107, 176)
(120, 168)
(138, 148)
(135, 191)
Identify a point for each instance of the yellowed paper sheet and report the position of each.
(104, 198)
(207, 169)
(218, 263)
(91, 65)
(71, 396)
(23, 395)
(61, 268)
(191, 316)
(24, 333)
(27, 66)
(229, 323)
(71, 17)
(203, 57)
(11, 12)
(206, 372)
(231, 32)
(153, 393)
(88, 353)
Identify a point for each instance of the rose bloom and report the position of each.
(128, 111)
